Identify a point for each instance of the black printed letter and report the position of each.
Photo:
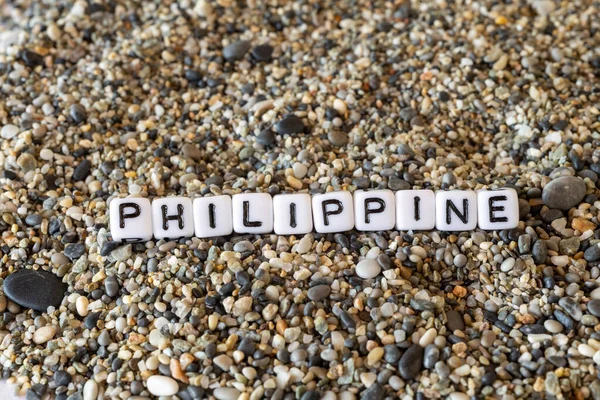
(327, 213)
(247, 222)
(377, 210)
(211, 216)
(493, 209)
(166, 218)
(464, 217)
(136, 212)
(293, 215)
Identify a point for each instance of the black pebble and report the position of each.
(262, 52)
(266, 137)
(82, 170)
(31, 58)
(289, 125)
(35, 289)
(74, 250)
(62, 378)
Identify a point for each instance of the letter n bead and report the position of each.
(333, 212)
(456, 210)
(131, 219)
(172, 217)
(498, 209)
(374, 210)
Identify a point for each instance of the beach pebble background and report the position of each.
(156, 98)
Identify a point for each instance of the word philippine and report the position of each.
(136, 219)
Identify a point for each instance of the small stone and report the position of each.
(77, 112)
(564, 192)
(455, 321)
(62, 378)
(593, 307)
(374, 392)
(44, 334)
(582, 224)
(90, 390)
(9, 131)
(289, 125)
(226, 393)
(262, 52)
(159, 385)
(411, 362)
(82, 305)
(236, 50)
(35, 289)
(223, 361)
(82, 170)
(111, 286)
(266, 137)
(368, 268)
(337, 138)
(319, 292)
(74, 250)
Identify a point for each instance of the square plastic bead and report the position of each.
(172, 217)
(252, 213)
(131, 219)
(415, 210)
(333, 212)
(498, 209)
(456, 210)
(293, 214)
(374, 210)
(212, 216)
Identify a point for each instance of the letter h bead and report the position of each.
(172, 217)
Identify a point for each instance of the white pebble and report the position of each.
(159, 385)
(368, 269)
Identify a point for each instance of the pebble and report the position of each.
(236, 50)
(35, 289)
(78, 113)
(226, 393)
(319, 292)
(411, 362)
(43, 334)
(368, 268)
(289, 125)
(564, 192)
(262, 52)
(159, 385)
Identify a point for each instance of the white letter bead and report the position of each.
(131, 219)
(172, 218)
(212, 216)
(415, 210)
(374, 210)
(498, 209)
(333, 212)
(456, 210)
(293, 214)
(252, 213)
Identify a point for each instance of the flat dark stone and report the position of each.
(411, 362)
(262, 52)
(35, 289)
(289, 125)
(236, 50)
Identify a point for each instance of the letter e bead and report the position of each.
(498, 209)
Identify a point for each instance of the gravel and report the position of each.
(103, 101)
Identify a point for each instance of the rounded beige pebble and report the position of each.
(90, 390)
(368, 269)
(458, 396)
(43, 334)
(82, 305)
(225, 393)
(159, 385)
